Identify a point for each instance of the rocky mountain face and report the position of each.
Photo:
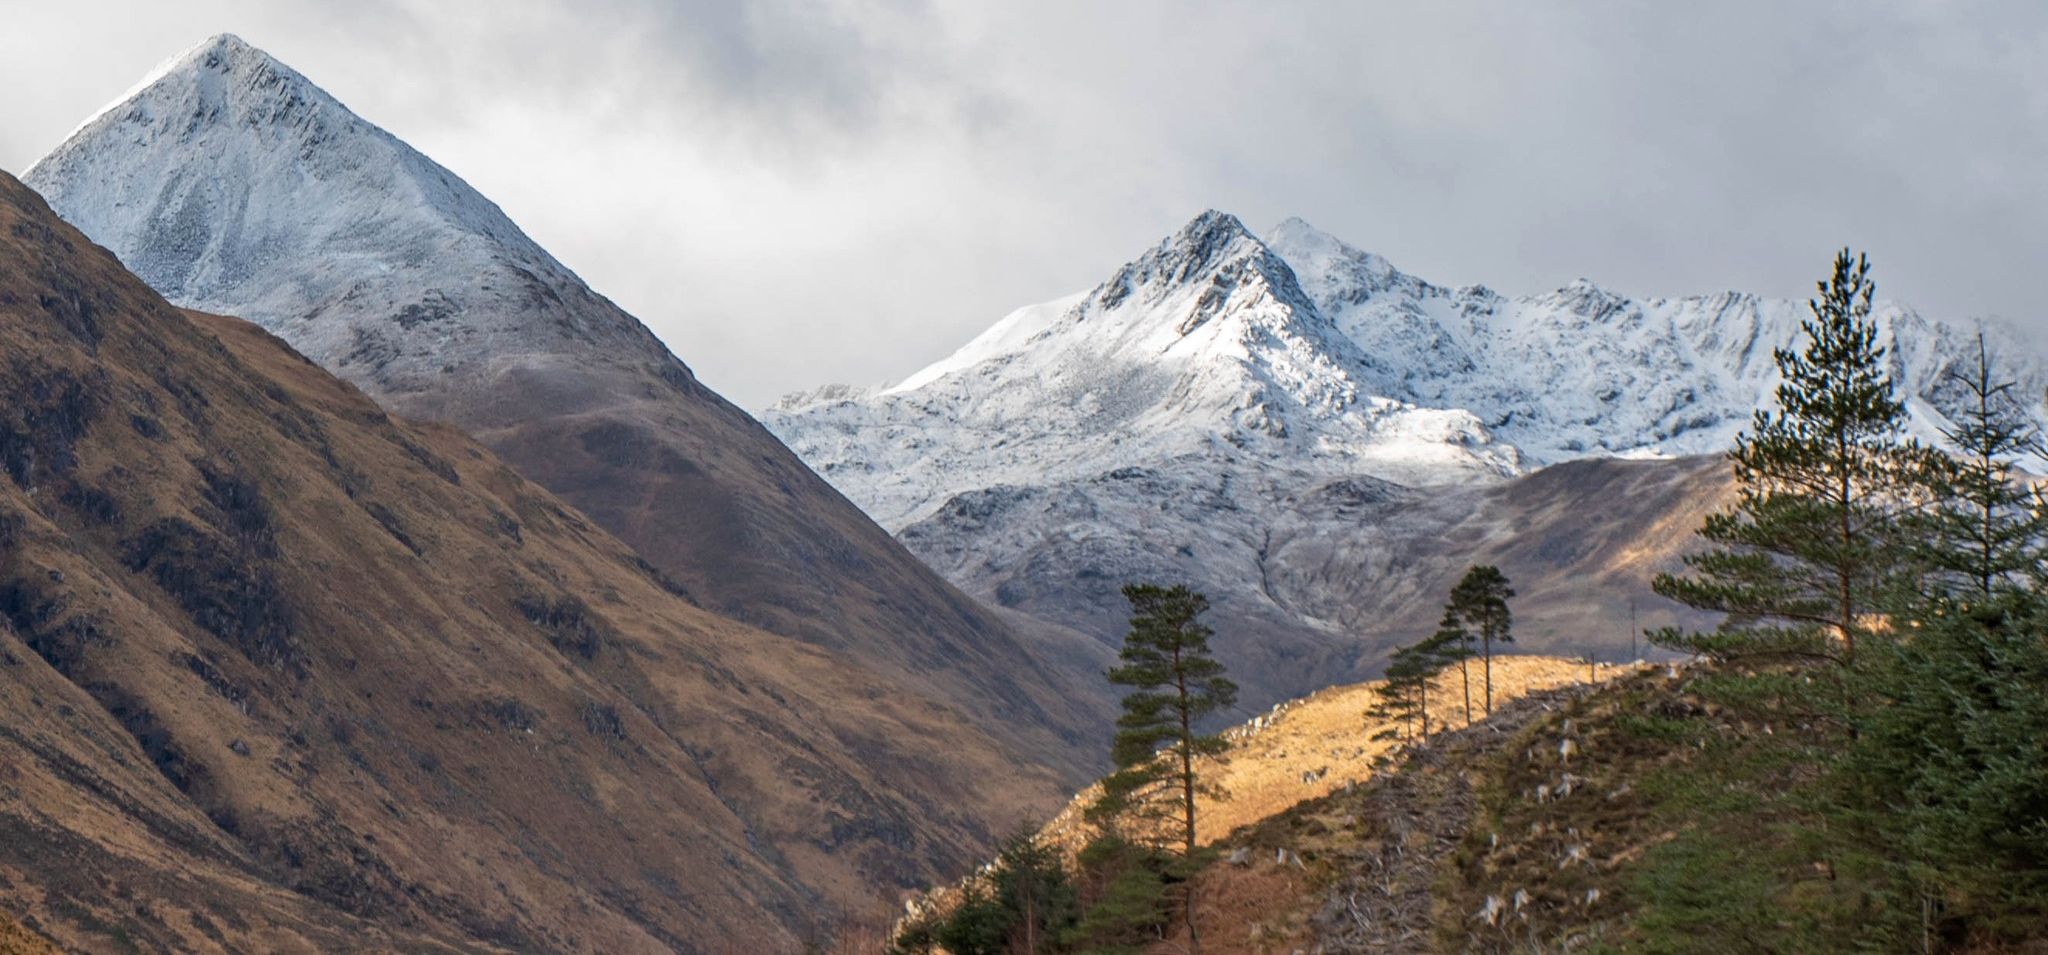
(1583, 371)
(232, 184)
(1204, 352)
(283, 672)
(1323, 443)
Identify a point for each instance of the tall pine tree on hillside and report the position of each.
(1480, 602)
(1800, 562)
(1174, 682)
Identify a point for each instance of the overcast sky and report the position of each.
(799, 193)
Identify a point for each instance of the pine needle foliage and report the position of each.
(1986, 527)
(1800, 562)
(1174, 683)
(1480, 604)
(1403, 700)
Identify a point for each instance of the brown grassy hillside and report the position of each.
(1285, 765)
(1310, 747)
(282, 673)
(1663, 812)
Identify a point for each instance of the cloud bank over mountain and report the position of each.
(920, 168)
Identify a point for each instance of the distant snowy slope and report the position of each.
(1585, 371)
(1203, 349)
(1302, 353)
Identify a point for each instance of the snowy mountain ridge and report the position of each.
(1585, 371)
(1204, 349)
(1300, 352)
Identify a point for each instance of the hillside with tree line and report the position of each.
(1853, 760)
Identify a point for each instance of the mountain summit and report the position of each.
(1204, 348)
(232, 184)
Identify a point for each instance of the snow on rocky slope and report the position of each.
(1584, 371)
(1205, 351)
(1322, 441)
(231, 183)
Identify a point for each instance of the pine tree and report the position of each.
(1480, 601)
(1801, 560)
(1399, 698)
(1034, 889)
(1174, 683)
(1455, 639)
(1126, 898)
(978, 925)
(1947, 760)
(1404, 696)
(1987, 527)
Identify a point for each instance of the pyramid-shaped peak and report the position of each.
(227, 181)
(222, 79)
(1208, 236)
(228, 55)
(1206, 241)
(227, 46)
(1215, 222)
(226, 52)
(222, 53)
(1209, 243)
(1296, 227)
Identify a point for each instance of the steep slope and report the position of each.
(1322, 443)
(284, 673)
(232, 184)
(1315, 581)
(1672, 810)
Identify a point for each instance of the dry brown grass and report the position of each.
(16, 940)
(1302, 750)
(1315, 745)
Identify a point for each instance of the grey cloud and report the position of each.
(793, 193)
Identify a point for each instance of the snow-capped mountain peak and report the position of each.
(223, 85)
(1203, 348)
(1211, 266)
(1215, 254)
(221, 47)
(225, 164)
(1240, 412)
